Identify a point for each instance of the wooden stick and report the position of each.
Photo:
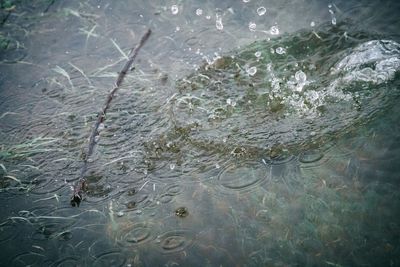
(81, 183)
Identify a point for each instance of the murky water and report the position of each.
(249, 133)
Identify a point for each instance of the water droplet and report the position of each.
(174, 9)
(280, 50)
(261, 10)
(199, 12)
(177, 29)
(252, 71)
(312, 24)
(257, 54)
(274, 30)
(228, 101)
(208, 17)
(300, 76)
(252, 26)
(218, 23)
(172, 166)
(333, 17)
(217, 166)
(120, 213)
(246, 1)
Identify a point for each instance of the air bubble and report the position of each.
(174, 9)
(312, 24)
(257, 54)
(252, 26)
(199, 12)
(246, 1)
(172, 166)
(261, 11)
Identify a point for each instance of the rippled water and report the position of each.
(249, 133)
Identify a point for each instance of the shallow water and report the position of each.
(274, 125)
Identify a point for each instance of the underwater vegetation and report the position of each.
(283, 94)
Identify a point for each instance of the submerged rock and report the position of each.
(258, 100)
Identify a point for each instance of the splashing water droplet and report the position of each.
(280, 50)
(199, 12)
(300, 76)
(252, 26)
(301, 79)
(231, 102)
(252, 71)
(333, 17)
(261, 11)
(274, 30)
(218, 23)
(174, 9)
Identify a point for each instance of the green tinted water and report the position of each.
(241, 138)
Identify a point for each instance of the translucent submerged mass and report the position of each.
(326, 81)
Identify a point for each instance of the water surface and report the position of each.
(249, 133)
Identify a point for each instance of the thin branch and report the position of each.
(81, 183)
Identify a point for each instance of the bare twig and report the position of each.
(81, 183)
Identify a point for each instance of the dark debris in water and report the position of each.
(182, 212)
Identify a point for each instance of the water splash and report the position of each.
(174, 9)
(298, 88)
(274, 30)
(218, 23)
(199, 12)
(252, 26)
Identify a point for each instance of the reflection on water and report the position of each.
(249, 133)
